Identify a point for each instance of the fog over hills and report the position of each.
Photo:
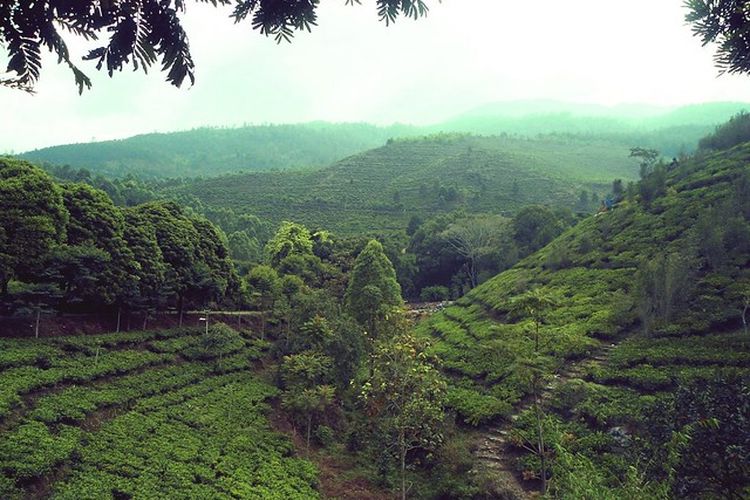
(216, 151)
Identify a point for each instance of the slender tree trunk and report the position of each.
(179, 306)
(309, 427)
(744, 315)
(402, 452)
(263, 325)
(119, 316)
(145, 319)
(36, 326)
(473, 273)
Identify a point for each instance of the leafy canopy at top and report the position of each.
(727, 24)
(142, 32)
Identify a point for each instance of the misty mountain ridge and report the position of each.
(212, 151)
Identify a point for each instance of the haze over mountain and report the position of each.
(216, 151)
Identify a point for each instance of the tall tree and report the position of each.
(405, 397)
(264, 287)
(535, 226)
(32, 220)
(474, 237)
(290, 239)
(534, 305)
(140, 236)
(373, 289)
(94, 238)
(177, 239)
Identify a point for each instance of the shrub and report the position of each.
(324, 435)
(434, 293)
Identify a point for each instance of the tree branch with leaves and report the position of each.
(142, 33)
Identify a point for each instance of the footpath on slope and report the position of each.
(495, 456)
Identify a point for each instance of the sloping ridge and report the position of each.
(591, 270)
(383, 187)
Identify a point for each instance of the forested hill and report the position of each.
(646, 302)
(216, 151)
(209, 152)
(383, 188)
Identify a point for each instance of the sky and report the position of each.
(352, 67)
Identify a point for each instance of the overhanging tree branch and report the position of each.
(142, 32)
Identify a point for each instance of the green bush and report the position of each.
(324, 435)
(434, 293)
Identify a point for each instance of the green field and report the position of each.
(141, 415)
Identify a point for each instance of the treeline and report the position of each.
(212, 151)
(446, 256)
(67, 247)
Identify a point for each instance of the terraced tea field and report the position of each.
(159, 414)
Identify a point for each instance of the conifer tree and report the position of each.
(373, 289)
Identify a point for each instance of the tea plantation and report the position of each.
(142, 415)
(643, 368)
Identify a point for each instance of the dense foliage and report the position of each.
(68, 247)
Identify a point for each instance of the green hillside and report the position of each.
(382, 188)
(141, 415)
(216, 151)
(209, 152)
(647, 300)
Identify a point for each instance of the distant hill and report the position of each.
(669, 130)
(209, 152)
(382, 188)
(217, 151)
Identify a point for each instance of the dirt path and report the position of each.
(495, 456)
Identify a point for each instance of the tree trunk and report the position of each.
(119, 316)
(744, 315)
(145, 319)
(179, 306)
(36, 326)
(473, 273)
(309, 427)
(402, 452)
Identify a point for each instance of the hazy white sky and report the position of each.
(353, 68)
